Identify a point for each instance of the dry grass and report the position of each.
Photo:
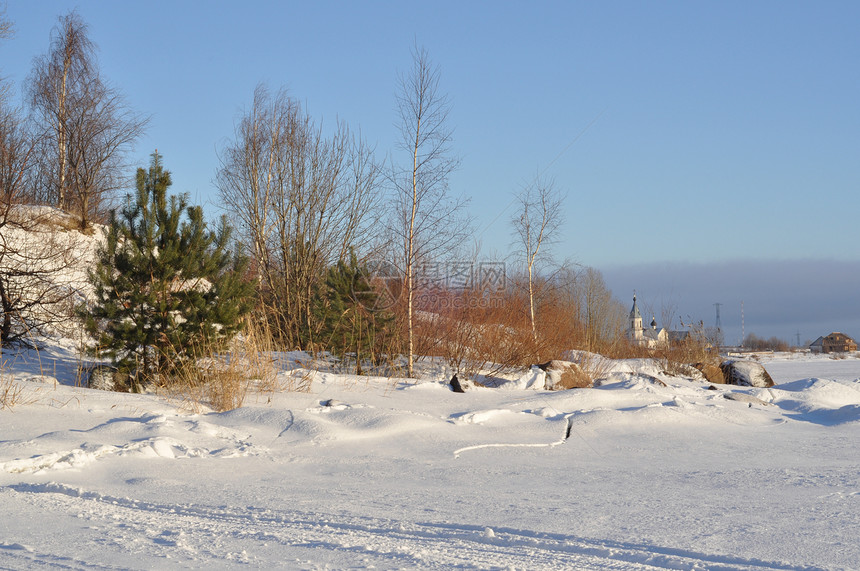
(299, 380)
(12, 394)
(222, 380)
(45, 216)
(256, 353)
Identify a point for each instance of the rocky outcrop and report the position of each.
(746, 374)
(712, 373)
(105, 378)
(561, 375)
(455, 385)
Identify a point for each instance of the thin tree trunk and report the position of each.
(61, 131)
(410, 261)
(6, 327)
(532, 300)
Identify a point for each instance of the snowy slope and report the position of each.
(392, 474)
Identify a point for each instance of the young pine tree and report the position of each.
(165, 285)
(349, 313)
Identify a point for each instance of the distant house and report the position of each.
(834, 343)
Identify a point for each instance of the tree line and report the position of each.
(325, 243)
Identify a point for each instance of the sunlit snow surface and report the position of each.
(395, 474)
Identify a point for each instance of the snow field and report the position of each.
(377, 473)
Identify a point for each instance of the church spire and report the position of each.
(634, 311)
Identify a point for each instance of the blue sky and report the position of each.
(687, 134)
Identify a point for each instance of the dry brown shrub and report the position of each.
(475, 331)
(489, 331)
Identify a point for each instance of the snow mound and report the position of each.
(148, 436)
(353, 423)
(482, 416)
(534, 379)
(819, 401)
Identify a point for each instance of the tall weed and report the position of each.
(222, 380)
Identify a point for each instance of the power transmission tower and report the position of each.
(718, 325)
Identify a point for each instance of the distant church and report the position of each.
(651, 338)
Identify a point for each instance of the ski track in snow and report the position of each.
(197, 535)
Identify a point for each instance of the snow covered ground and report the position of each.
(367, 473)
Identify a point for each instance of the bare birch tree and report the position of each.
(85, 126)
(429, 223)
(536, 223)
(603, 314)
(56, 74)
(301, 200)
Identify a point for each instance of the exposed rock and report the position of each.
(746, 374)
(44, 379)
(653, 379)
(712, 373)
(455, 384)
(743, 397)
(561, 375)
(103, 378)
(554, 364)
(690, 371)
